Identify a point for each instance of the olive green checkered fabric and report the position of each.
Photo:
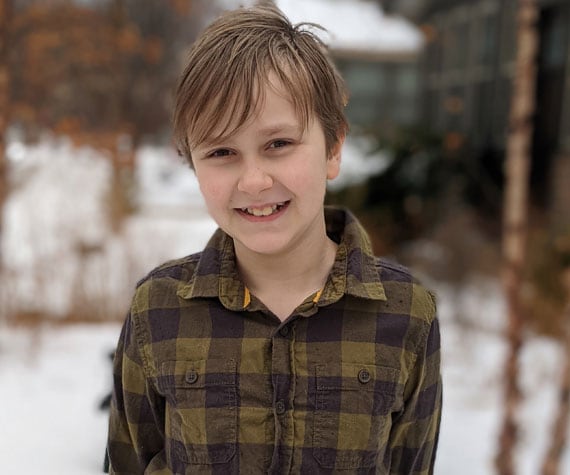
(209, 381)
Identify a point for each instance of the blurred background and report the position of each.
(93, 195)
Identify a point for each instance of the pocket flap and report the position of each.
(354, 376)
(197, 374)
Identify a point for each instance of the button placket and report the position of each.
(280, 407)
(283, 383)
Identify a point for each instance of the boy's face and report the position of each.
(265, 184)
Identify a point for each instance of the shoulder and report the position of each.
(391, 270)
(181, 269)
(155, 306)
(402, 287)
(160, 285)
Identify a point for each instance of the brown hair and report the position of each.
(234, 56)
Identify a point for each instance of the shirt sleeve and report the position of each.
(136, 425)
(415, 430)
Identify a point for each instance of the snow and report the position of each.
(352, 25)
(85, 174)
(54, 377)
(358, 162)
(52, 382)
(356, 25)
(165, 180)
(58, 205)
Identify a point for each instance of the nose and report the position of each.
(254, 179)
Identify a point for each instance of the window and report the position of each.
(487, 43)
(367, 84)
(554, 40)
(501, 109)
(456, 47)
(405, 102)
(380, 91)
(454, 107)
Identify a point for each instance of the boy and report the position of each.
(285, 346)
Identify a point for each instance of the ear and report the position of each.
(333, 161)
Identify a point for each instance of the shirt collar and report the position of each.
(354, 271)
(216, 275)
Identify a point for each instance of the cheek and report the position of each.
(309, 182)
(309, 171)
(212, 193)
(211, 186)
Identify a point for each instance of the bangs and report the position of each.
(229, 103)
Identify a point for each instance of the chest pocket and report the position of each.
(201, 410)
(353, 407)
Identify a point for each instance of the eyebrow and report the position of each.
(280, 128)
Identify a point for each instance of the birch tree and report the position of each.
(517, 169)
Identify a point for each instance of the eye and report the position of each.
(219, 153)
(279, 143)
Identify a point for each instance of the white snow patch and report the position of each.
(58, 243)
(52, 384)
(356, 25)
(358, 162)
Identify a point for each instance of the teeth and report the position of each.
(266, 211)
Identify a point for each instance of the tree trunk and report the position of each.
(551, 465)
(517, 166)
(5, 16)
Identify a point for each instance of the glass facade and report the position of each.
(469, 71)
(380, 92)
(476, 42)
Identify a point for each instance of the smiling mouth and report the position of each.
(265, 211)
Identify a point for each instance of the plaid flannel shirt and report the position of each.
(208, 380)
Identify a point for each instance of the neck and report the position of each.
(303, 269)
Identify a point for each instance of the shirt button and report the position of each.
(280, 407)
(191, 377)
(284, 331)
(363, 376)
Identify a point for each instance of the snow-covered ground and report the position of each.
(52, 382)
(52, 379)
(472, 367)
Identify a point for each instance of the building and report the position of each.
(467, 76)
